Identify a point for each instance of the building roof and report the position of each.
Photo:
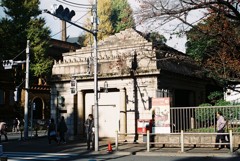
(116, 54)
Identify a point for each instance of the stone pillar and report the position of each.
(70, 107)
(80, 115)
(123, 114)
(54, 103)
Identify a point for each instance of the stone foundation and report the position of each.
(190, 140)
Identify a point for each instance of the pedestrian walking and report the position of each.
(3, 131)
(18, 124)
(89, 130)
(14, 125)
(221, 123)
(52, 134)
(62, 129)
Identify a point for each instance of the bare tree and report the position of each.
(150, 11)
(226, 37)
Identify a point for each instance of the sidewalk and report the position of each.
(40, 144)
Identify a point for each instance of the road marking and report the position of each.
(20, 156)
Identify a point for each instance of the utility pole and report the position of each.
(66, 15)
(26, 92)
(96, 111)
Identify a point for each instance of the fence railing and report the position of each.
(203, 119)
(181, 142)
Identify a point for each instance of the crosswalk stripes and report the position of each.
(23, 156)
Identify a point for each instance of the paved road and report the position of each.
(23, 156)
(38, 149)
(154, 158)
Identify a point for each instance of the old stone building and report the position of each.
(134, 70)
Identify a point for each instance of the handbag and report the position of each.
(52, 133)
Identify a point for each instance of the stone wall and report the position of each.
(190, 140)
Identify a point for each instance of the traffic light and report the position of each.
(73, 86)
(7, 64)
(63, 14)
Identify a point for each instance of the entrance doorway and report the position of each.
(38, 111)
(108, 122)
(108, 108)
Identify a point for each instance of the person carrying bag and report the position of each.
(52, 134)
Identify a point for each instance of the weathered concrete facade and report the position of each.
(135, 70)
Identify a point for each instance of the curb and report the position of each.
(172, 154)
(185, 154)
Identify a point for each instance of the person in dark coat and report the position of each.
(62, 129)
(52, 134)
(89, 125)
(14, 129)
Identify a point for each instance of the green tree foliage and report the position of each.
(105, 26)
(41, 64)
(215, 43)
(104, 13)
(21, 24)
(207, 113)
(156, 38)
(114, 16)
(122, 15)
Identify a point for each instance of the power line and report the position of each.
(19, 54)
(70, 24)
(54, 34)
(76, 5)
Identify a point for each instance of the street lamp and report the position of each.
(66, 15)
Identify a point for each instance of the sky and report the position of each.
(82, 13)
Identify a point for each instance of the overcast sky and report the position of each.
(82, 13)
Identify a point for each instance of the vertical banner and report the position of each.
(161, 114)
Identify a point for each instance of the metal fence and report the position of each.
(182, 141)
(203, 119)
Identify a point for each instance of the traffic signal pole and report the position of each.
(66, 15)
(96, 111)
(26, 92)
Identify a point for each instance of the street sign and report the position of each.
(7, 64)
(73, 86)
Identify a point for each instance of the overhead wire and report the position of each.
(55, 33)
(75, 4)
(70, 25)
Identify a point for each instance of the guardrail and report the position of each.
(203, 119)
(181, 143)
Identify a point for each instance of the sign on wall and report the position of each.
(161, 114)
(73, 86)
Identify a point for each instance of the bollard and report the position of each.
(231, 141)
(116, 141)
(182, 142)
(148, 141)
(1, 151)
